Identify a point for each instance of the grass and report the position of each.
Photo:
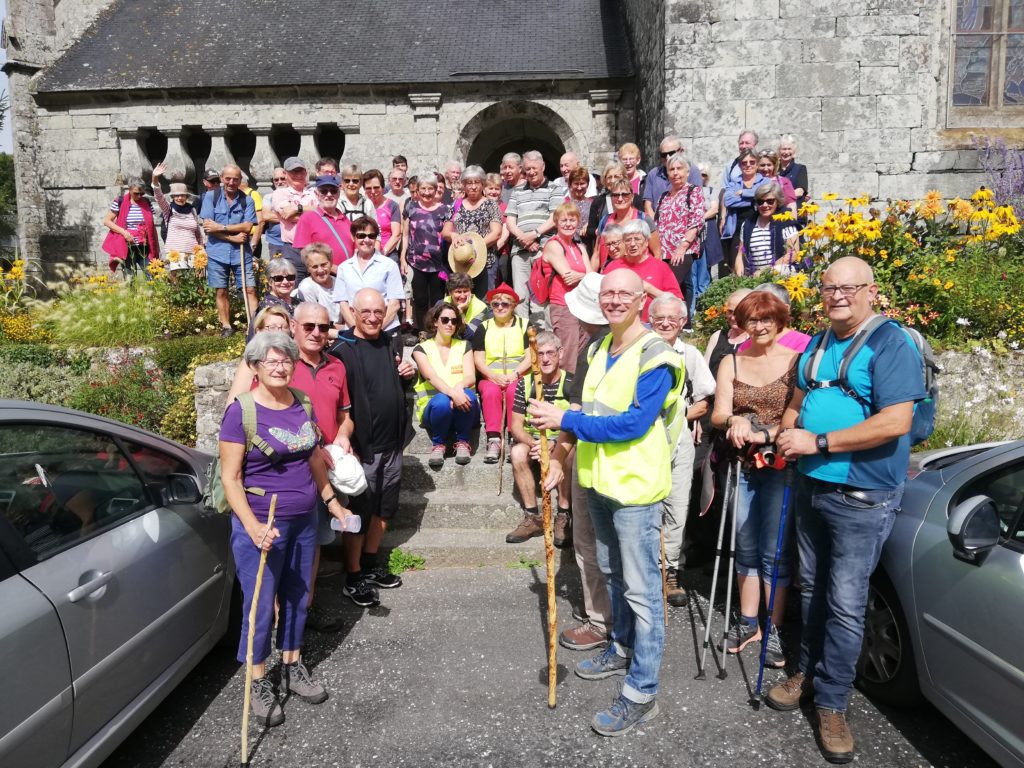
(522, 561)
(400, 561)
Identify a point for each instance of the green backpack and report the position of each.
(214, 497)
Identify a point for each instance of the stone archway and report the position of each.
(515, 126)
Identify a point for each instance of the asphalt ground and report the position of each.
(451, 670)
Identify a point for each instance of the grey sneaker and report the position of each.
(493, 450)
(264, 706)
(623, 716)
(741, 635)
(774, 657)
(295, 678)
(462, 452)
(605, 664)
(436, 460)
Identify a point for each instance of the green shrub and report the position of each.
(28, 380)
(174, 356)
(111, 315)
(44, 356)
(130, 393)
(179, 422)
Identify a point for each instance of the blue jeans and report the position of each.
(757, 524)
(840, 539)
(628, 548)
(439, 417)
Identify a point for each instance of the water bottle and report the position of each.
(350, 524)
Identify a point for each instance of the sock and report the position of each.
(566, 510)
(368, 561)
(493, 435)
(750, 620)
(353, 577)
(531, 511)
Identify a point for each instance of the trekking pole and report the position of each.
(245, 289)
(504, 418)
(723, 673)
(714, 574)
(251, 637)
(755, 702)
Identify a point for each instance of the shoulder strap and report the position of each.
(337, 237)
(252, 440)
(303, 399)
(876, 322)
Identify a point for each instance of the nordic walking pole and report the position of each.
(714, 574)
(245, 288)
(730, 576)
(504, 418)
(664, 574)
(549, 534)
(755, 702)
(252, 636)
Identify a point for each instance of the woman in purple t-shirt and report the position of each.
(421, 247)
(287, 465)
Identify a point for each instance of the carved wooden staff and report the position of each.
(251, 637)
(549, 535)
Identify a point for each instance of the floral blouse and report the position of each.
(678, 213)
(479, 220)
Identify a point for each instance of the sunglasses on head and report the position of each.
(282, 278)
(322, 327)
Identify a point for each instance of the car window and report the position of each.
(155, 465)
(59, 486)
(1005, 487)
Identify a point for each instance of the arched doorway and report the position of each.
(515, 126)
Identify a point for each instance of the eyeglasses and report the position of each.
(748, 163)
(282, 278)
(353, 181)
(848, 291)
(274, 364)
(501, 304)
(666, 320)
(548, 353)
(767, 202)
(621, 194)
(753, 322)
(374, 188)
(310, 327)
(623, 296)
(280, 178)
(371, 313)
(365, 235)
(447, 320)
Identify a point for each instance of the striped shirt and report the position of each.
(532, 206)
(135, 217)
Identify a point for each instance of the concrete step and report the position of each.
(420, 445)
(480, 478)
(458, 509)
(444, 547)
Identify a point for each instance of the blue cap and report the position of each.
(329, 180)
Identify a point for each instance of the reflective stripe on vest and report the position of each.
(451, 372)
(635, 472)
(530, 391)
(503, 345)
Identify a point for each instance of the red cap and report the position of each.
(503, 290)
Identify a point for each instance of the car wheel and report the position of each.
(886, 670)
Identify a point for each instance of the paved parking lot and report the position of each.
(451, 670)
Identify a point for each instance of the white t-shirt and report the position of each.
(699, 375)
(309, 290)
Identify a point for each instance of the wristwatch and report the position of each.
(822, 442)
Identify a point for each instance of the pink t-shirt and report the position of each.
(574, 256)
(387, 213)
(651, 270)
(313, 228)
(795, 340)
(288, 196)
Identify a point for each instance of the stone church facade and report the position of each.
(882, 95)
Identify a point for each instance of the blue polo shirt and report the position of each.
(226, 212)
(886, 371)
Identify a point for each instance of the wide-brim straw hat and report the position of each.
(469, 258)
(582, 300)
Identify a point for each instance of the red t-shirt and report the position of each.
(327, 389)
(651, 270)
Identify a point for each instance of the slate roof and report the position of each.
(174, 44)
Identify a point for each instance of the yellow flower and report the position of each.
(948, 285)
(784, 216)
(830, 196)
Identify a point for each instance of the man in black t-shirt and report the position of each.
(378, 377)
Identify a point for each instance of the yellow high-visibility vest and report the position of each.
(451, 371)
(503, 345)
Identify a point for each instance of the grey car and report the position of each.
(945, 616)
(114, 580)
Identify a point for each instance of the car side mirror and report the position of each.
(181, 489)
(973, 529)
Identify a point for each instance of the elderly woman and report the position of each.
(388, 214)
(680, 218)
(738, 199)
(287, 467)
(501, 354)
(790, 169)
(569, 263)
(601, 206)
(319, 286)
(353, 203)
(624, 209)
(281, 281)
(444, 388)
(612, 240)
(765, 243)
(132, 240)
(326, 223)
(473, 310)
(656, 274)
(275, 318)
(492, 190)
(184, 230)
(768, 166)
(476, 213)
(421, 246)
(753, 389)
(787, 337)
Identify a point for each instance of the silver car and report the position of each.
(946, 612)
(114, 580)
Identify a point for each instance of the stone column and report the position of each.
(219, 153)
(27, 179)
(179, 164)
(132, 160)
(604, 118)
(307, 148)
(261, 167)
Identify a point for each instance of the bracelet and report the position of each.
(331, 498)
(728, 421)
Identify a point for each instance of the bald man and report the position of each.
(568, 163)
(853, 451)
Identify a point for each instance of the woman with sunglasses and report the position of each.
(275, 318)
(768, 166)
(325, 223)
(626, 207)
(387, 213)
(601, 206)
(281, 281)
(501, 353)
(132, 241)
(739, 204)
(444, 396)
(764, 242)
(368, 269)
(352, 202)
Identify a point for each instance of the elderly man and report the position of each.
(511, 172)
(228, 216)
(453, 182)
(624, 449)
(526, 451)
(528, 217)
(656, 183)
(853, 459)
(382, 429)
(396, 187)
(568, 163)
(656, 274)
(747, 140)
(668, 316)
(289, 202)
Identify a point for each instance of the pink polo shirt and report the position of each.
(313, 228)
(287, 196)
(651, 270)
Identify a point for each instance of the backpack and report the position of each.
(542, 275)
(213, 496)
(923, 423)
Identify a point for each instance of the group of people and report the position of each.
(639, 423)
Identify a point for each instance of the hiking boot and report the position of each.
(436, 460)
(493, 455)
(295, 679)
(623, 716)
(382, 577)
(462, 452)
(361, 593)
(531, 525)
(787, 695)
(677, 596)
(264, 707)
(583, 637)
(741, 635)
(227, 332)
(834, 736)
(773, 656)
(320, 620)
(563, 529)
(605, 664)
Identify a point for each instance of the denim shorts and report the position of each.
(217, 274)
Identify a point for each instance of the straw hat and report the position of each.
(582, 300)
(179, 188)
(470, 257)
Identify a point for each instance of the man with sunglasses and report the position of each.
(289, 202)
(853, 460)
(326, 223)
(656, 183)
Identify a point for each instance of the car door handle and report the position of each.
(84, 590)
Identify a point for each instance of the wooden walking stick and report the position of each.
(549, 534)
(245, 287)
(252, 636)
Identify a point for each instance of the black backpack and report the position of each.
(923, 423)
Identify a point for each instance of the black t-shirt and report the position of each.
(383, 390)
(574, 388)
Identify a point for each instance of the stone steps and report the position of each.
(456, 508)
(447, 547)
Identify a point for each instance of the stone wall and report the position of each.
(645, 25)
(212, 384)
